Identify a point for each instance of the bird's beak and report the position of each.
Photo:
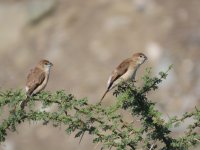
(50, 64)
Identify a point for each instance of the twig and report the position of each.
(197, 139)
(96, 146)
(152, 146)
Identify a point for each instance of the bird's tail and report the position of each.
(104, 95)
(24, 102)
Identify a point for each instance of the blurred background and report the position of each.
(86, 40)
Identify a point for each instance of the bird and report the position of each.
(125, 71)
(37, 79)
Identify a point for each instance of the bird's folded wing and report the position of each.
(118, 72)
(34, 79)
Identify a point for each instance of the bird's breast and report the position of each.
(130, 73)
(43, 85)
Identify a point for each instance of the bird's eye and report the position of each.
(140, 56)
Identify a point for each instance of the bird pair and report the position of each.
(38, 77)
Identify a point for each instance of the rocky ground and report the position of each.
(85, 40)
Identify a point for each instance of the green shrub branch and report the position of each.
(147, 130)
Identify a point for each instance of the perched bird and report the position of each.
(125, 71)
(37, 79)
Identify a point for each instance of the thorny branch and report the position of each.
(104, 122)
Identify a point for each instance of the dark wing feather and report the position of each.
(118, 72)
(34, 79)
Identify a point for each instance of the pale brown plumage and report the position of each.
(125, 71)
(34, 79)
(37, 79)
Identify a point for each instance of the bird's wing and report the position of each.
(34, 79)
(118, 72)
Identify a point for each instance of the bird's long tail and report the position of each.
(24, 103)
(104, 95)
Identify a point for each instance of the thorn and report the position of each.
(151, 147)
(81, 137)
(96, 146)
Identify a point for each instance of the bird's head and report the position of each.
(140, 58)
(45, 64)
